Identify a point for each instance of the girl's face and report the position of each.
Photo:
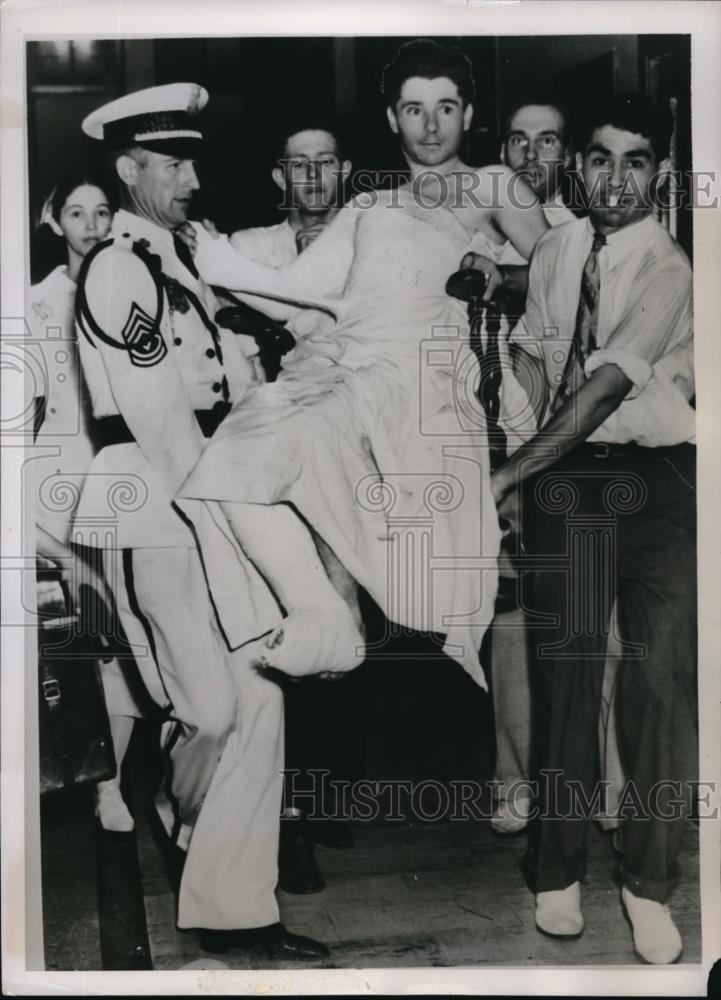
(85, 218)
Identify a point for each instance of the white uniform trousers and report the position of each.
(119, 696)
(224, 743)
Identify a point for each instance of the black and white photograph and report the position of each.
(360, 578)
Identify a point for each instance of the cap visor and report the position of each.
(183, 149)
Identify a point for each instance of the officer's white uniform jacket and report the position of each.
(152, 355)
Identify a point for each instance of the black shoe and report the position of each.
(331, 833)
(298, 871)
(273, 942)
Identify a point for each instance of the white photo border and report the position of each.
(21, 906)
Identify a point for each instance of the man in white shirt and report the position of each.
(605, 490)
(537, 148)
(310, 172)
(162, 377)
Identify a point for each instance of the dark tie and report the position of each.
(184, 255)
(584, 336)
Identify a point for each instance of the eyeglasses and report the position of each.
(324, 163)
(517, 140)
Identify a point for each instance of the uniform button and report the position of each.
(216, 386)
(126, 236)
(210, 353)
(177, 341)
(53, 409)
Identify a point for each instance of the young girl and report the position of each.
(78, 213)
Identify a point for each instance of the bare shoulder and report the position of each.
(493, 173)
(492, 184)
(365, 200)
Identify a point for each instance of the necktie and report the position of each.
(184, 255)
(584, 336)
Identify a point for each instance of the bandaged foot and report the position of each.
(315, 640)
(558, 912)
(655, 935)
(110, 808)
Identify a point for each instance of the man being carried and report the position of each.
(347, 418)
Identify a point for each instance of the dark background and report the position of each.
(254, 80)
(418, 715)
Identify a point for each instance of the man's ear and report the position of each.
(127, 169)
(278, 175)
(663, 173)
(345, 169)
(568, 158)
(579, 162)
(503, 154)
(392, 120)
(467, 117)
(665, 166)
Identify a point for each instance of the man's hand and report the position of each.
(210, 228)
(598, 397)
(304, 237)
(187, 234)
(493, 273)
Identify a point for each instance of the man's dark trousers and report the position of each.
(610, 520)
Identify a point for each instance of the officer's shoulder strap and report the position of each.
(119, 286)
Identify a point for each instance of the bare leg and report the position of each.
(319, 634)
(341, 580)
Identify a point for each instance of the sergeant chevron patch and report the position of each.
(144, 340)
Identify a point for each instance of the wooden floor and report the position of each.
(437, 895)
(405, 895)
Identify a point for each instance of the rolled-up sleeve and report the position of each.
(633, 367)
(658, 320)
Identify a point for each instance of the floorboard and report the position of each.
(436, 895)
(405, 895)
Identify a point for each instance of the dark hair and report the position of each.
(542, 100)
(303, 120)
(639, 115)
(47, 249)
(68, 183)
(429, 60)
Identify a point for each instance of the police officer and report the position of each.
(162, 376)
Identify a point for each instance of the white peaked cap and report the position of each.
(161, 118)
